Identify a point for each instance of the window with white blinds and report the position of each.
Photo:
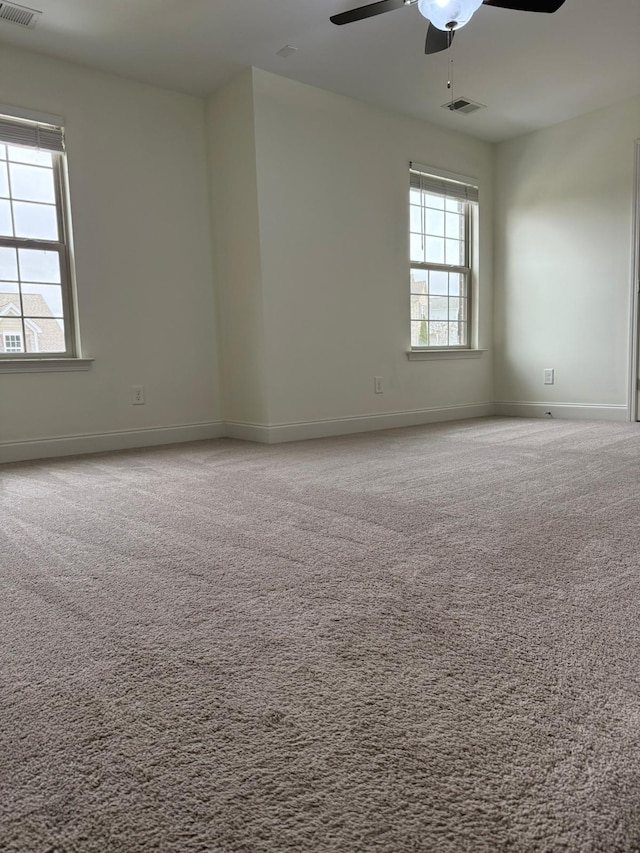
(36, 305)
(440, 253)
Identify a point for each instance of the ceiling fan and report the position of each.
(444, 16)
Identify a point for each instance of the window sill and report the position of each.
(44, 365)
(441, 354)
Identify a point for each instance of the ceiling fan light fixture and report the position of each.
(448, 14)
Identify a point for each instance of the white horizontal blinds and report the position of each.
(439, 185)
(30, 134)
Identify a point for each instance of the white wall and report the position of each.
(563, 255)
(236, 251)
(332, 191)
(137, 163)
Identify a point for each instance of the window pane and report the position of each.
(10, 304)
(455, 306)
(455, 206)
(458, 334)
(438, 308)
(436, 201)
(419, 333)
(434, 222)
(415, 196)
(11, 339)
(39, 265)
(423, 333)
(416, 249)
(434, 250)
(419, 281)
(419, 307)
(18, 154)
(3, 151)
(4, 180)
(31, 183)
(37, 221)
(456, 284)
(438, 283)
(415, 219)
(44, 335)
(455, 226)
(8, 265)
(455, 252)
(42, 300)
(438, 336)
(6, 229)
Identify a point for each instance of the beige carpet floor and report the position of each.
(416, 640)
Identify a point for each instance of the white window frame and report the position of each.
(16, 128)
(465, 189)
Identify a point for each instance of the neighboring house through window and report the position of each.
(440, 216)
(36, 306)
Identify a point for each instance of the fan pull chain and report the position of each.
(450, 80)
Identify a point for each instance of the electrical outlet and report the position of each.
(377, 384)
(548, 376)
(137, 395)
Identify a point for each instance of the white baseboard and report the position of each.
(72, 445)
(570, 411)
(299, 431)
(247, 431)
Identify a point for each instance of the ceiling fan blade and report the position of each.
(366, 11)
(437, 40)
(527, 5)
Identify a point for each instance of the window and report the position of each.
(36, 316)
(440, 217)
(12, 341)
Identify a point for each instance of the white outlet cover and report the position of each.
(137, 395)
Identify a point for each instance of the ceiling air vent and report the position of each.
(463, 105)
(20, 15)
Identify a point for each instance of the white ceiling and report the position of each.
(531, 70)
